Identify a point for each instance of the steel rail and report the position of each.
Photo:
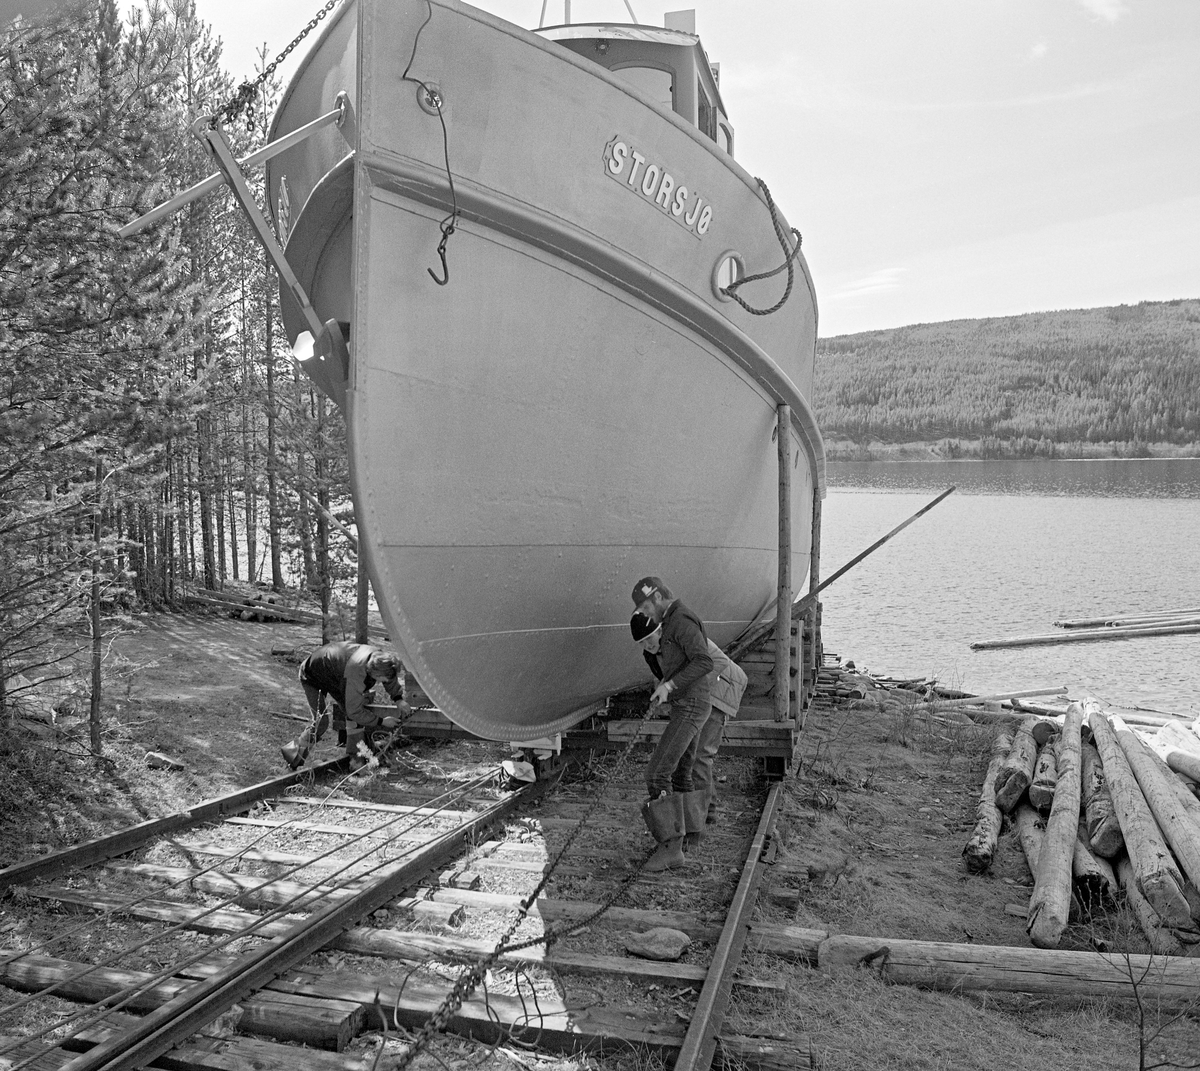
(126, 840)
(700, 1042)
(116, 1001)
(161, 1030)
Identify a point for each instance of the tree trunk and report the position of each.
(1095, 881)
(1017, 769)
(97, 644)
(274, 518)
(981, 848)
(1157, 875)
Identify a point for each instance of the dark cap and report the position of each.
(640, 627)
(647, 587)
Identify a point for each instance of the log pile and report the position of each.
(1122, 820)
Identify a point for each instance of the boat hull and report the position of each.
(577, 407)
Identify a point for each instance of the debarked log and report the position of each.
(981, 848)
(1017, 769)
(1050, 904)
(960, 967)
(1169, 812)
(1095, 881)
(1045, 776)
(1154, 869)
(1103, 826)
(1162, 939)
(1180, 747)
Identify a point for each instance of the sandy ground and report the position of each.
(871, 835)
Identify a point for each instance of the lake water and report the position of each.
(1016, 547)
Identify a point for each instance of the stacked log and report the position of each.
(1123, 820)
(981, 848)
(1016, 772)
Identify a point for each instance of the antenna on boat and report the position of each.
(567, 13)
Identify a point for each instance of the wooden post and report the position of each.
(1050, 904)
(1162, 939)
(1154, 869)
(783, 607)
(363, 599)
(981, 848)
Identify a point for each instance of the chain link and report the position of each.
(242, 101)
(470, 979)
(790, 255)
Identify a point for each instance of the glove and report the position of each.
(389, 723)
(403, 710)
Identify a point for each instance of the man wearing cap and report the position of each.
(345, 673)
(727, 682)
(674, 807)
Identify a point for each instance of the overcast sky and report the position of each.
(943, 159)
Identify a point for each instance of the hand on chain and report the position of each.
(659, 695)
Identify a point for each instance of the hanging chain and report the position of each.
(470, 979)
(242, 101)
(790, 255)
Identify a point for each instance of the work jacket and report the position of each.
(683, 656)
(728, 683)
(340, 669)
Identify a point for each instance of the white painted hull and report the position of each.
(576, 408)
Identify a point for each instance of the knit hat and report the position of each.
(648, 586)
(641, 627)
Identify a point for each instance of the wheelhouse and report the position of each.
(668, 66)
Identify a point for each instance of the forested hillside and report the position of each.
(154, 430)
(1123, 381)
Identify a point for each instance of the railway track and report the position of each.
(274, 927)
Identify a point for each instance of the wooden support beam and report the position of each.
(783, 604)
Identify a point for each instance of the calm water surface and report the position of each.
(1016, 547)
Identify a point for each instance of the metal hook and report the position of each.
(445, 267)
(447, 230)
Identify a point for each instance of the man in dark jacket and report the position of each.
(674, 807)
(345, 673)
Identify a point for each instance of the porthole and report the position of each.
(430, 97)
(729, 268)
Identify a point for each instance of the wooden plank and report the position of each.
(387, 943)
(327, 1022)
(126, 840)
(1085, 635)
(179, 1018)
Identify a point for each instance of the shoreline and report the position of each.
(997, 450)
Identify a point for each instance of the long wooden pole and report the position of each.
(783, 616)
(800, 605)
(1050, 904)
(1084, 635)
(1126, 617)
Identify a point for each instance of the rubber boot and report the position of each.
(354, 737)
(695, 812)
(295, 753)
(664, 818)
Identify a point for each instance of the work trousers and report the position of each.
(708, 743)
(670, 767)
(316, 705)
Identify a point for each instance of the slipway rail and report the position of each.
(435, 876)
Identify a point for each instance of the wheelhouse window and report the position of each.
(725, 137)
(706, 114)
(658, 85)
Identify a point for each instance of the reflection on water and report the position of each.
(1018, 546)
(1142, 478)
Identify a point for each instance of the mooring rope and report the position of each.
(789, 253)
